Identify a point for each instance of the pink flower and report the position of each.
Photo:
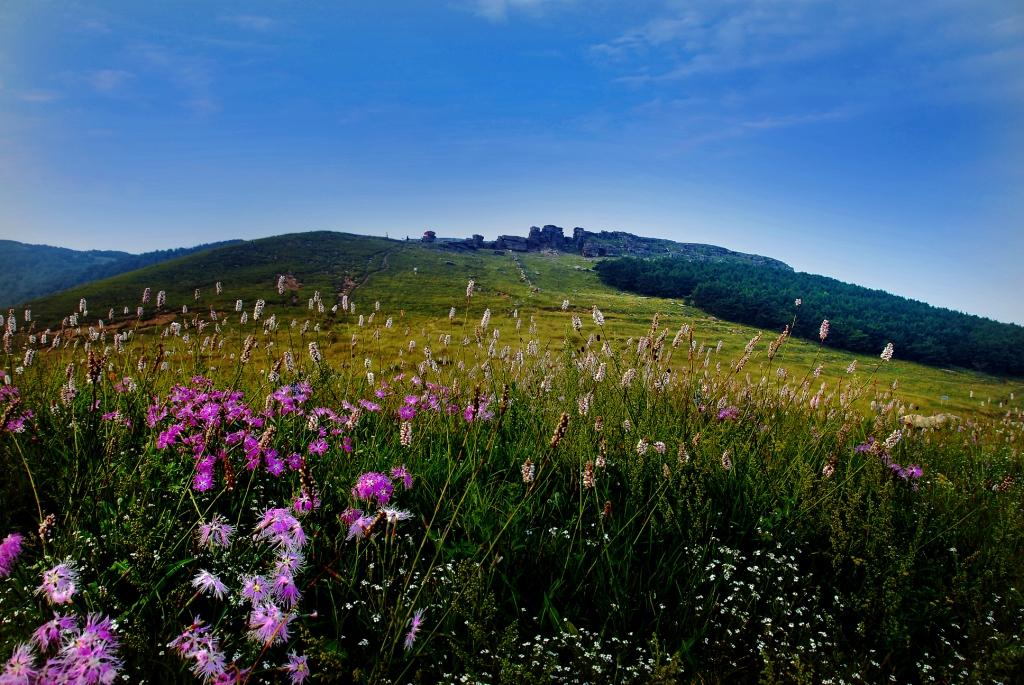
(297, 668)
(216, 533)
(268, 624)
(10, 550)
(286, 590)
(209, 584)
(373, 486)
(255, 589)
(59, 583)
(414, 628)
(20, 667)
(280, 527)
(402, 473)
(50, 632)
(360, 527)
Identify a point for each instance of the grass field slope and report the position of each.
(327, 458)
(417, 280)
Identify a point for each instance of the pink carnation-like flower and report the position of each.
(10, 550)
(59, 583)
(373, 486)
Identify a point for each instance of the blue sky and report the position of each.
(878, 142)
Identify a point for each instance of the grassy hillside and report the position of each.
(512, 492)
(864, 320)
(29, 271)
(418, 285)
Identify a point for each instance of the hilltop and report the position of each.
(603, 244)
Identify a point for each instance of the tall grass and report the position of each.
(583, 508)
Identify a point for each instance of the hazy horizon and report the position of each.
(878, 145)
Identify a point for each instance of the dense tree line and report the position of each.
(31, 271)
(862, 320)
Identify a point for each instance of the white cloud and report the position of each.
(250, 22)
(39, 96)
(498, 10)
(719, 70)
(191, 74)
(108, 81)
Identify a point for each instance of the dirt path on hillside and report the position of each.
(384, 266)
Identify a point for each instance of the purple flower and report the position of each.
(402, 473)
(20, 667)
(216, 533)
(281, 528)
(360, 527)
(268, 625)
(287, 562)
(98, 628)
(318, 446)
(208, 663)
(49, 633)
(406, 412)
(297, 668)
(729, 414)
(286, 590)
(393, 516)
(59, 583)
(255, 589)
(169, 436)
(192, 638)
(414, 628)
(209, 584)
(373, 486)
(369, 406)
(350, 516)
(209, 412)
(865, 446)
(203, 480)
(305, 503)
(89, 656)
(196, 644)
(275, 466)
(10, 550)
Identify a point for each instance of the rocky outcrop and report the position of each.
(512, 242)
(604, 244)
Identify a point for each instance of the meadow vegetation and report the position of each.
(395, 464)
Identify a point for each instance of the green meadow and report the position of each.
(535, 479)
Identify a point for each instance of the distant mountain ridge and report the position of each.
(29, 271)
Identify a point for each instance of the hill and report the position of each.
(30, 271)
(426, 449)
(863, 320)
(419, 283)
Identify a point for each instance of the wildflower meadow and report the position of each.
(229, 488)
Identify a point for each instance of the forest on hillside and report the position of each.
(31, 271)
(862, 320)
